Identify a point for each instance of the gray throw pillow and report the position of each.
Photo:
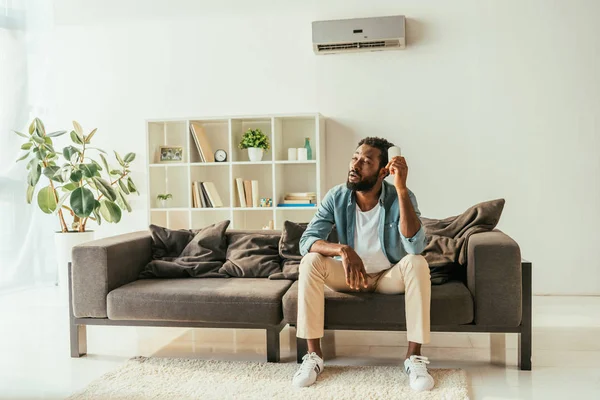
(199, 257)
(169, 242)
(289, 244)
(289, 270)
(251, 255)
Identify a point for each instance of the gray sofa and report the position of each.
(104, 289)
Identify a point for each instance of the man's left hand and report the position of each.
(398, 167)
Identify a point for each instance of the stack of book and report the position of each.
(303, 199)
(202, 144)
(205, 195)
(247, 192)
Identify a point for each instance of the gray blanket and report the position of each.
(447, 238)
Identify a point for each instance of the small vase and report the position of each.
(255, 154)
(308, 149)
(164, 203)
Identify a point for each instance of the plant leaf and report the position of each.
(129, 157)
(69, 187)
(62, 200)
(69, 151)
(40, 126)
(24, 156)
(119, 159)
(131, 186)
(34, 175)
(105, 163)
(47, 200)
(106, 189)
(115, 172)
(75, 138)
(82, 202)
(76, 176)
(30, 190)
(110, 211)
(91, 135)
(78, 129)
(38, 139)
(53, 173)
(95, 148)
(89, 170)
(21, 134)
(32, 127)
(97, 216)
(56, 134)
(26, 146)
(123, 186)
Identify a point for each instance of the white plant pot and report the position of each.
(255, 154)
(64, 243)
(164, 203)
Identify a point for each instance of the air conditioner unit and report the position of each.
(359, 34)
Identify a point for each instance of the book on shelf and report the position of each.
(248, 192)
(195, 199)
(205, 195)
(240, 189)
(255, 193)
(202, 144)
(213, 194)
(296, 201)
(301, 194)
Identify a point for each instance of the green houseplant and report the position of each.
(92, 191)
(256, 142)
(164, 198)
(76, 187)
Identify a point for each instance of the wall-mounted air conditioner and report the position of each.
(359, 34)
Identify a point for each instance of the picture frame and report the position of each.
(170, 154)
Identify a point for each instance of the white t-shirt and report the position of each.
(366, 240)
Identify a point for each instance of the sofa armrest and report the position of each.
(102, 265)
(494, 278)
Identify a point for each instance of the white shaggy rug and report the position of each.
(179, 378)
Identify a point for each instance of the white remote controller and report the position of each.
(394, 151)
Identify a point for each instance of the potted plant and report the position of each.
(164, 199)
(256, 142)
(78, 189)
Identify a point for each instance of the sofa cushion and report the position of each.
(289, 245)
(289, 270)
(451, 303)
(201, 257)
(256, 301)
(251, 255)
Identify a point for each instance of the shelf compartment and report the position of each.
(217, 134)
(242, 219)
(178, 219)
(204, 217)
(241, 125)
(263, 173)
(171, 180)
(171, 133)
(291, 132)
(293, 178)
(219, 175)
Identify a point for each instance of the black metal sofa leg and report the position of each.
(273, 352)
(525, 335)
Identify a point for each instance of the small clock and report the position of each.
(220, 155)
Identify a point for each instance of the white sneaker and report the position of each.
(312, 365)
(416, 369)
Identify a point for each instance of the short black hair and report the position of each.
(382, 144)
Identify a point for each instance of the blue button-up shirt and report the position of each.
(338, 207)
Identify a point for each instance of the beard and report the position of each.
(364, 184)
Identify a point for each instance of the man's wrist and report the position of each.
(402, 190)
(343, 250)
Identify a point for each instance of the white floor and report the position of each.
(35, 361)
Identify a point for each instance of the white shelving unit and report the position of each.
(275, 174)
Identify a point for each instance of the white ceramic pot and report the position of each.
(64, 243)
(255, 154)
(164, 203)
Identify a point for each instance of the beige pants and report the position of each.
(409, 276)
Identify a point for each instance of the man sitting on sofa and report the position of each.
(381, 238)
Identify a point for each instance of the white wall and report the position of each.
(490, 99)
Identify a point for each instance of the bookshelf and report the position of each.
(276, 175)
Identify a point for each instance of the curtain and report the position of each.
(26, 234)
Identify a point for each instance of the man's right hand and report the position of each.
(356, 276)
